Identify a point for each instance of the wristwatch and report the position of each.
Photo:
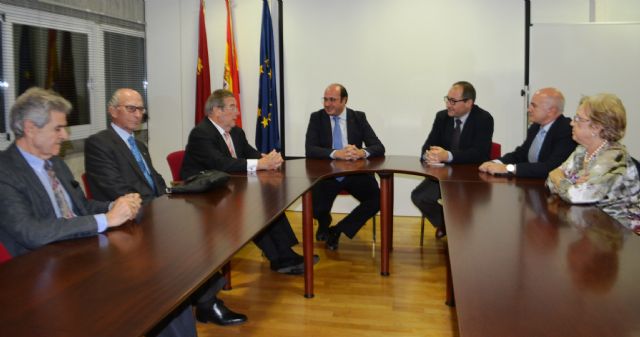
(511, 169)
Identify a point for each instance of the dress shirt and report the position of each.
(342, 118)
(252, 164)
(37, 165)
(462, 119)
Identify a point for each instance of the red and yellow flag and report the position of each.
(203, 82)
(231, 75)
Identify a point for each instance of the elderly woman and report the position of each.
(600, 171)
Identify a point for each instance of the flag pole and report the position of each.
(281, 64)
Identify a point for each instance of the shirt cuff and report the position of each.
(449, 156)
(366, 154)
(252, 165)
(333, 154)
(101, 219)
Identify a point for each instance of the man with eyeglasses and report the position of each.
(117, 163)
(339, 133)
(461, 134)
(216, 143)
(548, 143)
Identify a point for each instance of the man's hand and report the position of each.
(493, 168)
(350, 152)
(271, 161)
(436, 154)
(124, 208)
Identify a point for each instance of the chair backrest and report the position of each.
(496, 151)
(4, 254)
(85, 184)
(635, 161)
(174, 159)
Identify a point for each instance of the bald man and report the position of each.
(548, 142)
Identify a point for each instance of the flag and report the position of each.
(203, 82)
(231, 75)
(25, 63)
(52, 61)
(66, 83)
(267, 134)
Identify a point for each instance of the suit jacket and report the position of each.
(319, 139)
(475, 139)
(556, 148)
(113, 171)
(27, 217)
(206, 150)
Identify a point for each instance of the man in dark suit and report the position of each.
(548, 142)
(337, 132)
(216, 143)
(42, 203)
(113, 167)
(460, 134)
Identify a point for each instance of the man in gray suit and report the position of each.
(42, 203)
(115, 163)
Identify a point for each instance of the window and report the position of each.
(83, 59)
(53, 59)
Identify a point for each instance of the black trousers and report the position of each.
(363, 187)
(276, 239)
(425, 197)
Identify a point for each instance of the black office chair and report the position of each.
(635, 161)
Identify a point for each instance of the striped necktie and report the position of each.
(138, 156)
(58, 192)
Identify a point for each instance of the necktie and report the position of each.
(337, 134)
(534, 149)
(227, 139)
(455, 139)
(58, 192)
(337, 138)
(140, 161)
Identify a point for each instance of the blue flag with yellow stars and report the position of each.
(267, 130)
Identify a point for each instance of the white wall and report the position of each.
(396, 58)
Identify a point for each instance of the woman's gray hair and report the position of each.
(36, 105)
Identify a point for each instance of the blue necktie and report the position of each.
(337, 134)
(143, 167)
(337, 138)
(534, 150)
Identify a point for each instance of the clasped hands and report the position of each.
(124, 208)
(350, 152)
(271, 161)
(436, 155)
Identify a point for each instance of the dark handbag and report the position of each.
(201, 182)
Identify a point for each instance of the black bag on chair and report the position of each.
(201, 182)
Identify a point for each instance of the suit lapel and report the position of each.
(33, 183)
(124, 151)
(351, 127)
(327, 133)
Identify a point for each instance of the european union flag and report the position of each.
(267, 133)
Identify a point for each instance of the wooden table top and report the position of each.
(522, 266)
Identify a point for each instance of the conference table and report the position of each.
(522, 262)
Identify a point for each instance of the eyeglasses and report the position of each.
(579, 119)
(133, 108)
(453, 101)
(329, 99)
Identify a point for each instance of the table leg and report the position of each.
(451, 299)
(226, 271)
(307, 243)
(386, 220)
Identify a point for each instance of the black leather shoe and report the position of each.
(321, 235)
(333, 238)
(219, 314)
(440, 232)
(292, 265)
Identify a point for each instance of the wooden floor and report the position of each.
(351, 298)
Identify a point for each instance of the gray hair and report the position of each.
(216, 100)
(36, 105)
